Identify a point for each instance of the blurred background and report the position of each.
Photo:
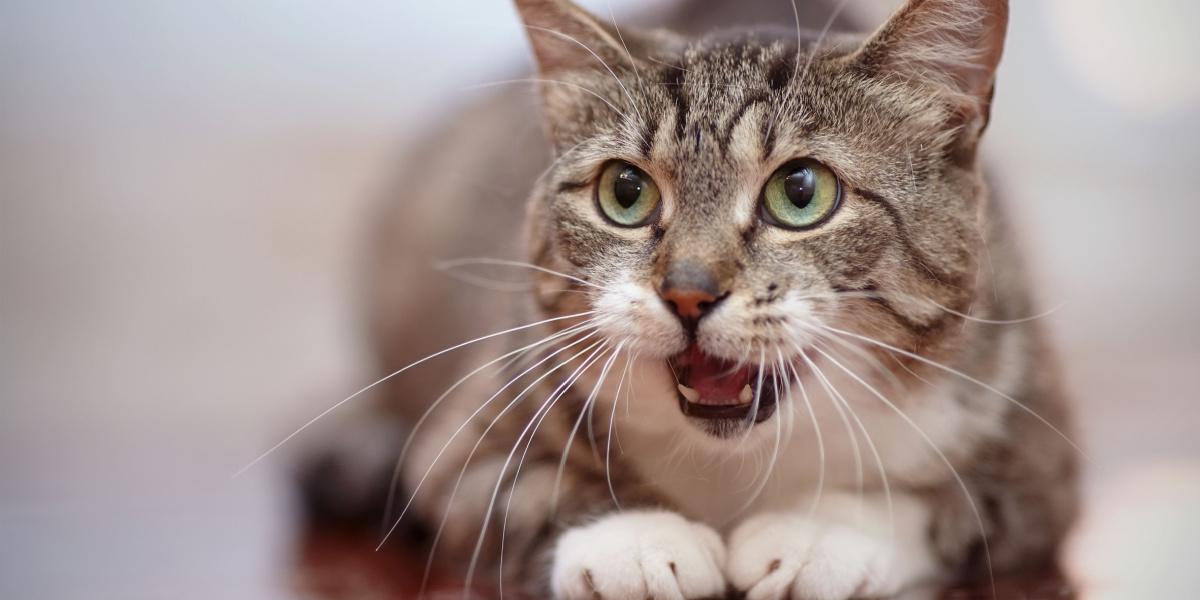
(184, 187)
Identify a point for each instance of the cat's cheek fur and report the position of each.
(849, 547)
(639, 554)
(626, 310)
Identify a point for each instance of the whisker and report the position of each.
(633, 103)
(820, 445)
(364, 390)
(858, 351)
(821, 37)
(761, 485)
(479, 442)
(854, 443)
(412, 434)
(666, 64)
(632, 63)
(520, 463)
(964, 376)
(762, 359)
(612, 428)
(495, 285)
(973, 319)
(791, 96)
(543, 409)
(542, 80)
(480, 409)
(484, 260)
(836, 398)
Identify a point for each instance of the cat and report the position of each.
(775, 337)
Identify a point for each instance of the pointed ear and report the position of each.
(951, 46)
(566, 37)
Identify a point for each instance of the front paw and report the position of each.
(640, 555)
(790, 556)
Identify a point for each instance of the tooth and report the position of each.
(689, 393)
(746, 394)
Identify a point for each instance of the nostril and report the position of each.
(690, 305)
(691, 289)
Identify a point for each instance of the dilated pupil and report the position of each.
(627, 188)
(799, 187)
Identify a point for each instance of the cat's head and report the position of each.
(739, 203)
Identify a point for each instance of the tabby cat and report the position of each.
(773, 338)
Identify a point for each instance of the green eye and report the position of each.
(626, 195)
(801, 195)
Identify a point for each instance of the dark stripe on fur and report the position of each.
(673, 84)
(938, 277)
(740, 112)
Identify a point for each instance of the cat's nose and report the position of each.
(691, 290)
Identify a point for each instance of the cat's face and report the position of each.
(734, 204)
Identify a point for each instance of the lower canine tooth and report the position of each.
(689, 393)
(746, 394)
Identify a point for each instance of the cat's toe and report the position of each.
(642, 554)
(786, 556)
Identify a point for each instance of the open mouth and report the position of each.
(722, 391)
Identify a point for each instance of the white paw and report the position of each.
(785, 555)
(639, 555)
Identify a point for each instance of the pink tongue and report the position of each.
(714, 379)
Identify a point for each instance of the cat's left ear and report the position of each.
(949, 46)
(565, 37)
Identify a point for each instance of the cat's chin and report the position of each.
(722, 397)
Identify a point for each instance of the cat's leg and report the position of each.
(560, 533)
(844, 548)
(573, 543)
(649, 553)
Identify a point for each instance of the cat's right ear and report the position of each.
(951, 47)
(566, 38)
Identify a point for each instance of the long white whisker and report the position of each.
(541, 80)
(629, 55)
(869, 295)
(854, 443)
(758, 385)
(762, 484)
(397, 372)
(632, 102)
(483, 260)
(412, 433)
(821, 37)
(466, 463)
(964, 376)
(611, 428)
(973, 319)
(837, 398)
(543, 409)
(859, 352)
(462, 472)
(480, 409)
(820, 443)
